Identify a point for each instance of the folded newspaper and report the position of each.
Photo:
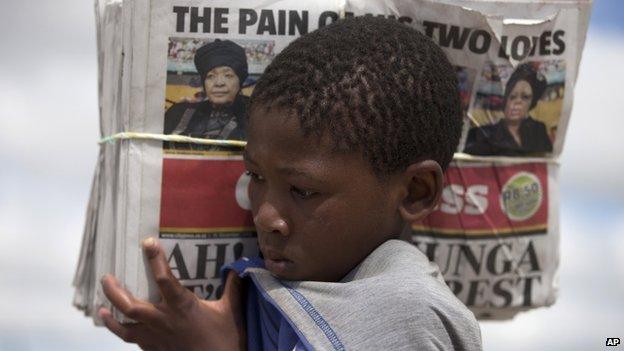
(495, 234)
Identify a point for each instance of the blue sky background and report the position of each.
(48, 129)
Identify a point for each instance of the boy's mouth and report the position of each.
(276, 263)
(278, 267)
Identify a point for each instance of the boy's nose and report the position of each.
(269, 220)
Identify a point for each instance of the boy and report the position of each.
(349, 130)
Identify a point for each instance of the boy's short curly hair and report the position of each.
(377, 86)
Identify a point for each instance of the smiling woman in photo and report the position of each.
(222, 66)
(517, 133)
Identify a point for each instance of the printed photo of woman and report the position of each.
(517, 133)
(222, 66)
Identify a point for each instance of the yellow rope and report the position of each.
(172, 137)
(458, 156)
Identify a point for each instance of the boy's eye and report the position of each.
(301, 193)
(254, 175)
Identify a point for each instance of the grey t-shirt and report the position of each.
(393, 300)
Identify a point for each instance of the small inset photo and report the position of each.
(516, 111)
(208, 87)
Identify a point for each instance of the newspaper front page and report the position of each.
(495, 235)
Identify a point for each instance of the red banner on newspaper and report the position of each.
(202, 195)
(482, 201)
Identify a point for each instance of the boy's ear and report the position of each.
(422, 183)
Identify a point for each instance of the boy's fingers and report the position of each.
(117, 295)
(114, 326)
(132, 308)
(131, 333)
(110, 322)
(232, 299)
(172, 291)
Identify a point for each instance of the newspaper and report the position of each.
(495, 235)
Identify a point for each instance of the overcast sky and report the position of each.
(48, 133)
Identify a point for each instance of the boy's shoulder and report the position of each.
(398, 282)
(410, 294)
(394, 299)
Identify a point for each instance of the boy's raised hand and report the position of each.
(180, 321)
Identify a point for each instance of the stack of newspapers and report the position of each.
(170, 162)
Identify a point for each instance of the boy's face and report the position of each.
(318, 212)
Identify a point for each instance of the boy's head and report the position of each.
(349, 129)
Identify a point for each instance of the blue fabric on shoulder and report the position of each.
(267, 329)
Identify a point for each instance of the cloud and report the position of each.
(50, 118)
(591, 159)
(34, 30)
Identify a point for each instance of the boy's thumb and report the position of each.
(233, 291)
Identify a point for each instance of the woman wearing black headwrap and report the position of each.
(517, 133)
(222, 66)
